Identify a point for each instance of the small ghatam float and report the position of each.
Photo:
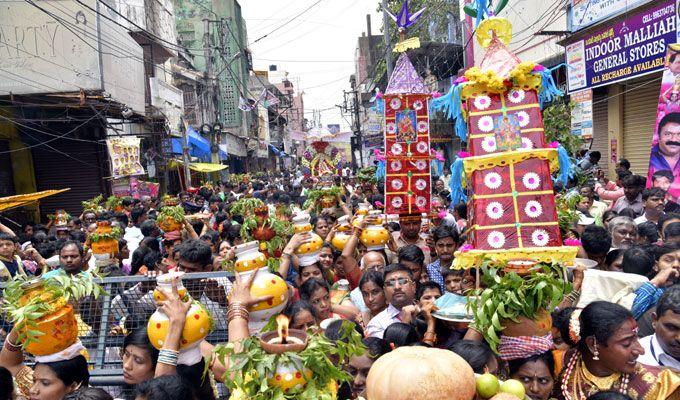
(288, 364)
(42, 310)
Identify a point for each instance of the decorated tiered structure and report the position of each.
(407, 141)
(508, 168)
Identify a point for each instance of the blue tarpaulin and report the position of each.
(198, 146)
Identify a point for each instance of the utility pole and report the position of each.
(209, 70)
(185, 154)
(386, 37)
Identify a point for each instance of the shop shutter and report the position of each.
(639, 117)
(600, 128)
(54, 170)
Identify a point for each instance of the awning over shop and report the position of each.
(206, 167)
(198, 167)
(20, 200)
(198, 146)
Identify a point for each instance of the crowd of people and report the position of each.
(624, 344)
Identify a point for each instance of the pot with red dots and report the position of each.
(197, 326)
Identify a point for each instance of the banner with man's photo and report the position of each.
(664, 168)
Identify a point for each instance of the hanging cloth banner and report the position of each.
(124, 156)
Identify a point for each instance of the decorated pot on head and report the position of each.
(307, 253)
(342, 233)
(104, 243)
(375, 236)
(164, 283)
(289, 373)
(249, 257)
(362, 211)
(59, 328)
(249, 260)
(197, 326)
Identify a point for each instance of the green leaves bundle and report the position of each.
(251, 367)
(116, 233)
(509, 296)
(173, 212)
(316, 194)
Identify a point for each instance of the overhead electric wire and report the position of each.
(287, 22)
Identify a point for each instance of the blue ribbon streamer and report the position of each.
(456, 182)
(549, 90)
(564, 160)
(380, 171)
(452, 106)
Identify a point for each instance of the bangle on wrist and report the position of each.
(168, 357)
(11, 346)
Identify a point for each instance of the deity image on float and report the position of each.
(507, 133)
(406, 126)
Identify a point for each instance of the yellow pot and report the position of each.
(169, 224)
(374, 237)
(265, 284)
(340, 240)
(104, 247)
(289, 376)
(302, 228)
(196, 327)
(248, 257)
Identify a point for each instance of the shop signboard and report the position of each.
(584, 13)
(629, 48)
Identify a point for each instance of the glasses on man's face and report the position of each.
(400, 281)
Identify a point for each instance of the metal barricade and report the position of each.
(127, 305)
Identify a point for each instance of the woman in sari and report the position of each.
(604, 357)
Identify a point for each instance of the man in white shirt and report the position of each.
(663, 347)
(654, 202)
(400, 291)
(133, 235)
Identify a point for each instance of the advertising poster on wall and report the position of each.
(124, 156)
(664, 168)
(582, 114)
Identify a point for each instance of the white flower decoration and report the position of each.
(494, 210)
(396, 149)
(397, 202)
(391, 128)
(493, 180)
(516, 96)
(489, 144)
(421, 184)
(533, 209)
(421, 201)
(482, 102)
(396, 165)
(540, 237)
(485, 124)
(496, 239)
(421, 147)
(395, 103)
(531, 180)
(422, 126)
(418, 105)
(523, 118)
(527, 143)
(421, 165)
(397, 184)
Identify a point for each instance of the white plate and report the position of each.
(444, 317)
(587, 263)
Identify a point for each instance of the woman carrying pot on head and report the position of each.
(605, 358)
(52, 377)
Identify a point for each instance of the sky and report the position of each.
(317, 48)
